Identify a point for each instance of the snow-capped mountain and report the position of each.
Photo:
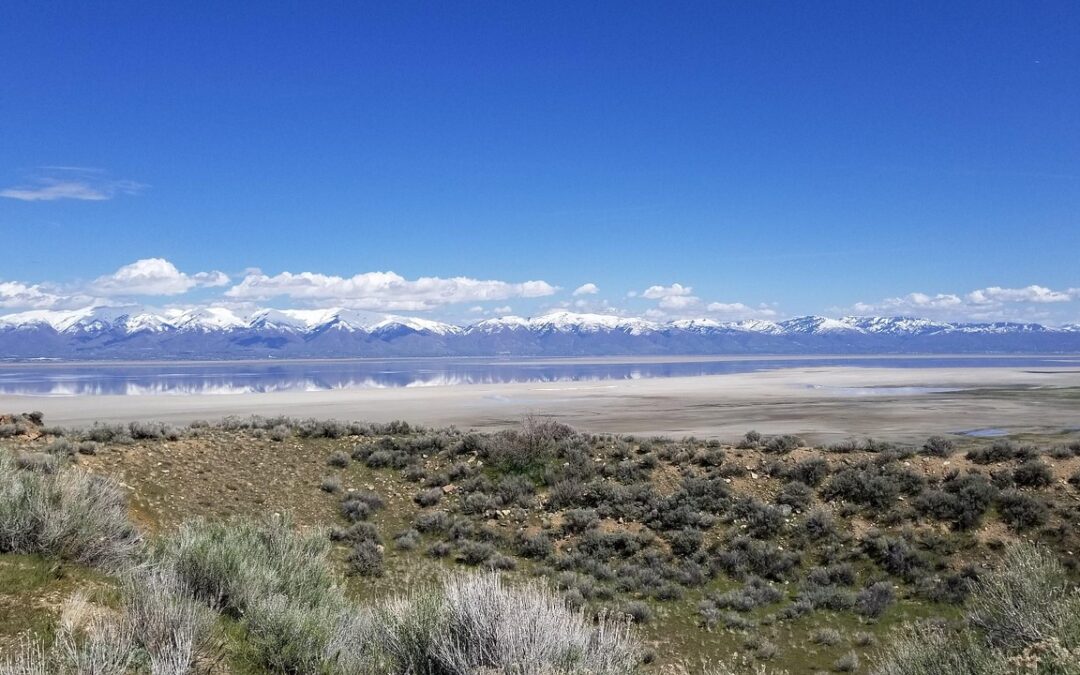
(220, 332)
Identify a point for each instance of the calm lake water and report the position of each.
(247, 377)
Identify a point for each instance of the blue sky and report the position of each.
(774, 158)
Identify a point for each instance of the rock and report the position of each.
(447, 489)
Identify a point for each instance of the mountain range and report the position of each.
(221, 333)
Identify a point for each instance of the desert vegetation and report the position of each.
(304, 546)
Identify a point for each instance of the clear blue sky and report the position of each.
(809, 156)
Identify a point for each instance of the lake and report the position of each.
(247, 377)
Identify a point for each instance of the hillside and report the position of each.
(764, 551)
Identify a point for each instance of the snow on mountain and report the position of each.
(205, 319)
(63, 321)
(570, 321)
(500, 324)
(697, 325)
(221, 332)
(417, 324)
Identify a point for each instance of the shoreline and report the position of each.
(538, 360)
(801, 400)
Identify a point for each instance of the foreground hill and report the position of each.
(217, 332)
(329, 547)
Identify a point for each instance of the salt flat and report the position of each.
(821, 403)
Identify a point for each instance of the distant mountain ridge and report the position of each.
(219, 332)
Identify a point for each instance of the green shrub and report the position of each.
(69, 513)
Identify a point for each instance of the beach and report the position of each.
(821, 403)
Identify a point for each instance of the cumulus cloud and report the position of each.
(55, 183)
(19, 295)
(383, 290)
(154, 276)
(27, 296)
(673, 297)
(991, 303)
(587, 289)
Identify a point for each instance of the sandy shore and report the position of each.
(819, 402)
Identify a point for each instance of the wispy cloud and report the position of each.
(586, 289)
(383, 290)
(53, 183)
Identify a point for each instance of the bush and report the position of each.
(366, 559)
(576, 521)
(796, 494)
(876, 486)
(330, 484)
(937, 446)
(782, 445)
(895, 556)
(277, 583)
(1033, 473)
(934, 649)
(962, 500)
(338, 459)
(1021, 617)
(750, 441)
(686, 542)
(529, 447)
(69, 514)
(168, 623)
(809, 471)
(755, 593)
(407, 540)
(829, 637)
(434, 521)
(1027, 600)
(475, 552)
(537, 546)
(428, 498)
(998, 451)
(744, 556)
(478, 624)
(360, 504)
(848, 663)
(1020, 511)
(873, 600)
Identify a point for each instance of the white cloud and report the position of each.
(679, 302)
(16, 294)
(505, 309)
(658, 292)
(984, 304)
(384, 290)
(1033, 293)
(675, 296)
(154, 276)
(54, 183)
(587, 289)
